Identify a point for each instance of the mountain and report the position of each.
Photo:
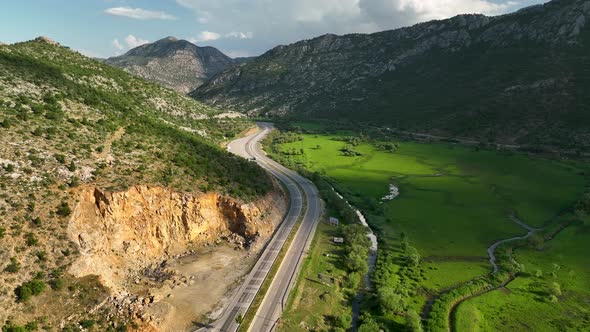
(517, 78)
(177, 64)
(102, 176)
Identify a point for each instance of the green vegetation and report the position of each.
(72, 123)
(454, 203)
(433, 77)
(28, 289)
(539, 302)
(331, 273)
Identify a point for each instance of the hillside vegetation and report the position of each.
(519, 78)
(69, 122)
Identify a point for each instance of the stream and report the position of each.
(371, 260)
(491, 250)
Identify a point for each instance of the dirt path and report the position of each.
(108, 143)
(492, 249)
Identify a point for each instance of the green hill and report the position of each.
(519, 78)
(69, 123)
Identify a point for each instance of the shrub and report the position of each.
(14, 266)
(37, 221)
(87, 323)
(344, 320)
(23, 293)
(61, 158)
(57, 283)
(72, 166)
(10, 327)
(41, 255)
(32, 240)
(63, 209)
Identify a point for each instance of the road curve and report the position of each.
(272, 306)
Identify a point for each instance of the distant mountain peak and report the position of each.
(174, 63)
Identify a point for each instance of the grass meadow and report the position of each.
(454, 202)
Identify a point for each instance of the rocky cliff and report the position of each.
(177, 64)
(127, 231)
(512, 78)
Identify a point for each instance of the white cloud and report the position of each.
(239, 35)
(204, 36)
(133, 41)
(117, 44)
(385, 13)
(129, 42)
(139, 13)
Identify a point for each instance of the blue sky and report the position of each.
(104, 28)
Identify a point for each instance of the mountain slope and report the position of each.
(97, 165)
(177, 64)
(517, 78)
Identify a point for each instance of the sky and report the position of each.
(104, 28)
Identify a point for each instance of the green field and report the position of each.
(454, 202)
(525, 304)
(313, 303)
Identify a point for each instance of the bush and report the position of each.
(32, 240)
(368, 325)
(10, 327)
(28, 289)
(61, 158)
(23, 293)
(14, 266)
(57, 283)
(72, 166)
(63, 209)
(344, 320)
(87, 323)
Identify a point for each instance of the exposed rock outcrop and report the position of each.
(126, 231)
(177, 64)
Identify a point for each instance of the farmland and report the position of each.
(455, 202)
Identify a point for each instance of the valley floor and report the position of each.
(455, 202)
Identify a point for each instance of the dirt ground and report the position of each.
(212, 273)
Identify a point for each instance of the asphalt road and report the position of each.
(269, 312)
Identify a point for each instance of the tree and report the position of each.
(353, 280)
(412, 256)
(344, 320)
(23, 292)
(368, 325)
(390, 300)
(356, 262)
(72, 166)
(413, 321)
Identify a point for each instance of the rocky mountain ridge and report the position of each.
(177, 64)
(512, 78)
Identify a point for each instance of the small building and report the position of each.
(333, 221)
(338, 240)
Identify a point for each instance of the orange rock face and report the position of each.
(126, 231)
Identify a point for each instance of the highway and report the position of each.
(300, 189)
